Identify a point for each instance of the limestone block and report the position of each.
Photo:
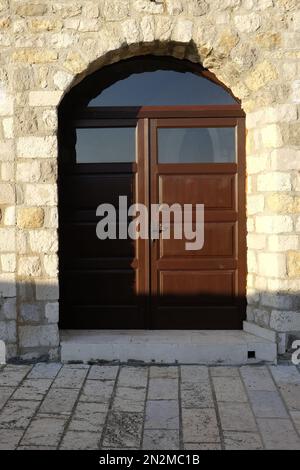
(271, 136)
(114, 10)
(255, 204)
(43, 241)
(37, 147)
(262, 74)
(7, 285)
(285, 320)
(47, 289)
(35, 336)
(41, 194)
(274, 182)
(146, 6)
(30, 217)
(285, 159)
(182, 31)
(28, 172)
(8, 263)
(34, 56)
(31, 9)
(51, 265)
(274, 224)
(62, 79)
(247, 23)
(29, 266)
(283, 242)
(272, 264)
(293, 263)
(44, 98)
(51, 312)
(7, 239)
(9, 216)
(174, 7)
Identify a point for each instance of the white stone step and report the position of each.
(167, 346)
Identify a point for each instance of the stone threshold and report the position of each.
(227, 347)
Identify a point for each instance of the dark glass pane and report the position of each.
(162, 88)
(105, 145)
(196, 145)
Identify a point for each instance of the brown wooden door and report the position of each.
(204, 288)
(123, 284)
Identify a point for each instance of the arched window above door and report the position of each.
(150, 81)
(162, 88)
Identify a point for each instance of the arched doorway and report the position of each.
(158, 131)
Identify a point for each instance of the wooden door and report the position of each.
(202, 289)
(126, 284)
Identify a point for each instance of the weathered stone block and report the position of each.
(37, 147)
(52, 312)
(293, 263)
(283, 242)
(285, 320)
(36, 336)
(274, 182)
(29, 266)
(30, 217)
(41, 194)
(44, 98)
(34, 56)
(274, 224)
(270, 264)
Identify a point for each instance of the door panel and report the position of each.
(101, 281)
(185, 283)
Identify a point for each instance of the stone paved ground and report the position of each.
(50, 406)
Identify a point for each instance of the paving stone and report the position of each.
(79, 366)
(44, 371)
(202, 446)
(88, 417)
(224, 371)
(163, 389)
(160, 439)
(32, 389)
(103, 372)
(278, 434)
(12, 375)
(194, 373)
(291, 395)
(229, 389)
(129, 399)
(296, 419)
(70, 377)
(267, 404)
(133, 377)
(36, 448)
(163, 372)
(257, 378)
(285, 374)
(17, 414)
(162, 414)
(200, 425)
(196, 395)
(123, 429)
(242, 441)
(97, 391)
(80, 440)
(236, 417)
(44, 431)
(59, 401)
(5, 393)
(9, 438)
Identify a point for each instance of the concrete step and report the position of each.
(167, 346)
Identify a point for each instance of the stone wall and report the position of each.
(48, 46)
